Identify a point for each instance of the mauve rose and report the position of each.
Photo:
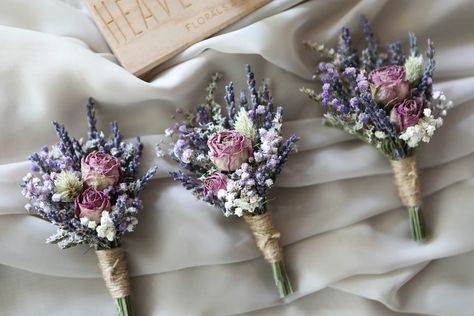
(406, 113)
(100, 170)
(214, 183)
(389, 83)
(229, 149)
(91, 203)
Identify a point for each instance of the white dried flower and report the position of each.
(244, 125)
(422, 131)
(221, 193)
(414, 68)
(68, 185)
(106, 229)
(380, 135)
(239, 212)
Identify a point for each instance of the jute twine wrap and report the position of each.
(113, 264)
(266, 236)
(407, 181)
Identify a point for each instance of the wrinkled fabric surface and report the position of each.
(345, 234)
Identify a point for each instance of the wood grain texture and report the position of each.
(144, 33)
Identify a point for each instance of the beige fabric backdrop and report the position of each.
(345, 233)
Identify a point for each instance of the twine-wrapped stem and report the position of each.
(266, 237)
(407, 182)
(113, 265)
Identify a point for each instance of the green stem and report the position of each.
(124, 306)
(281, 279)
(417, 223)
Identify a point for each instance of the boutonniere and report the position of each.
(90, 191)
(385, 97)
(231, 160)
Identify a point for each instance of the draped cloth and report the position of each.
(343, 228)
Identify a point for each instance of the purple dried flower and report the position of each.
(354, 102)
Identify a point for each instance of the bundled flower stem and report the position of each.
(384, 97)
(266, 238)
(89, 191)
(113, 265)
(231, 161)
(409, 189)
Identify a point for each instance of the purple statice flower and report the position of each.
(341, 108)
(362, 83)
(35, 167)
(182, 128)
(187, 154)
(350, 71)
(354, 102)
(351, 74)
(363, 118)
(261, 110)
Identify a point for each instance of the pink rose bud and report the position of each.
(91, 203)
(100, 170)
(229, 149)
(406, 114)
(214, 183)
(389, 84)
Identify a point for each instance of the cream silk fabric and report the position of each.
(345, 235)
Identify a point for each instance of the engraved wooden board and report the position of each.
(144, 33)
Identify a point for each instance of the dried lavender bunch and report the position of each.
(232, 160)
(90, 191)
(384, 97)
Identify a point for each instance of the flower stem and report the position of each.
(124, 306)
(281, 279)
(417, 223)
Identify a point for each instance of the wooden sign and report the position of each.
(144, 33)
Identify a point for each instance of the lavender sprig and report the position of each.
(66, 145)
(426, 85)
(143, 181)
(347, 53)
(91, 121)
(254, 96)
(397, 57)
(413, 46)
(370, 55)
